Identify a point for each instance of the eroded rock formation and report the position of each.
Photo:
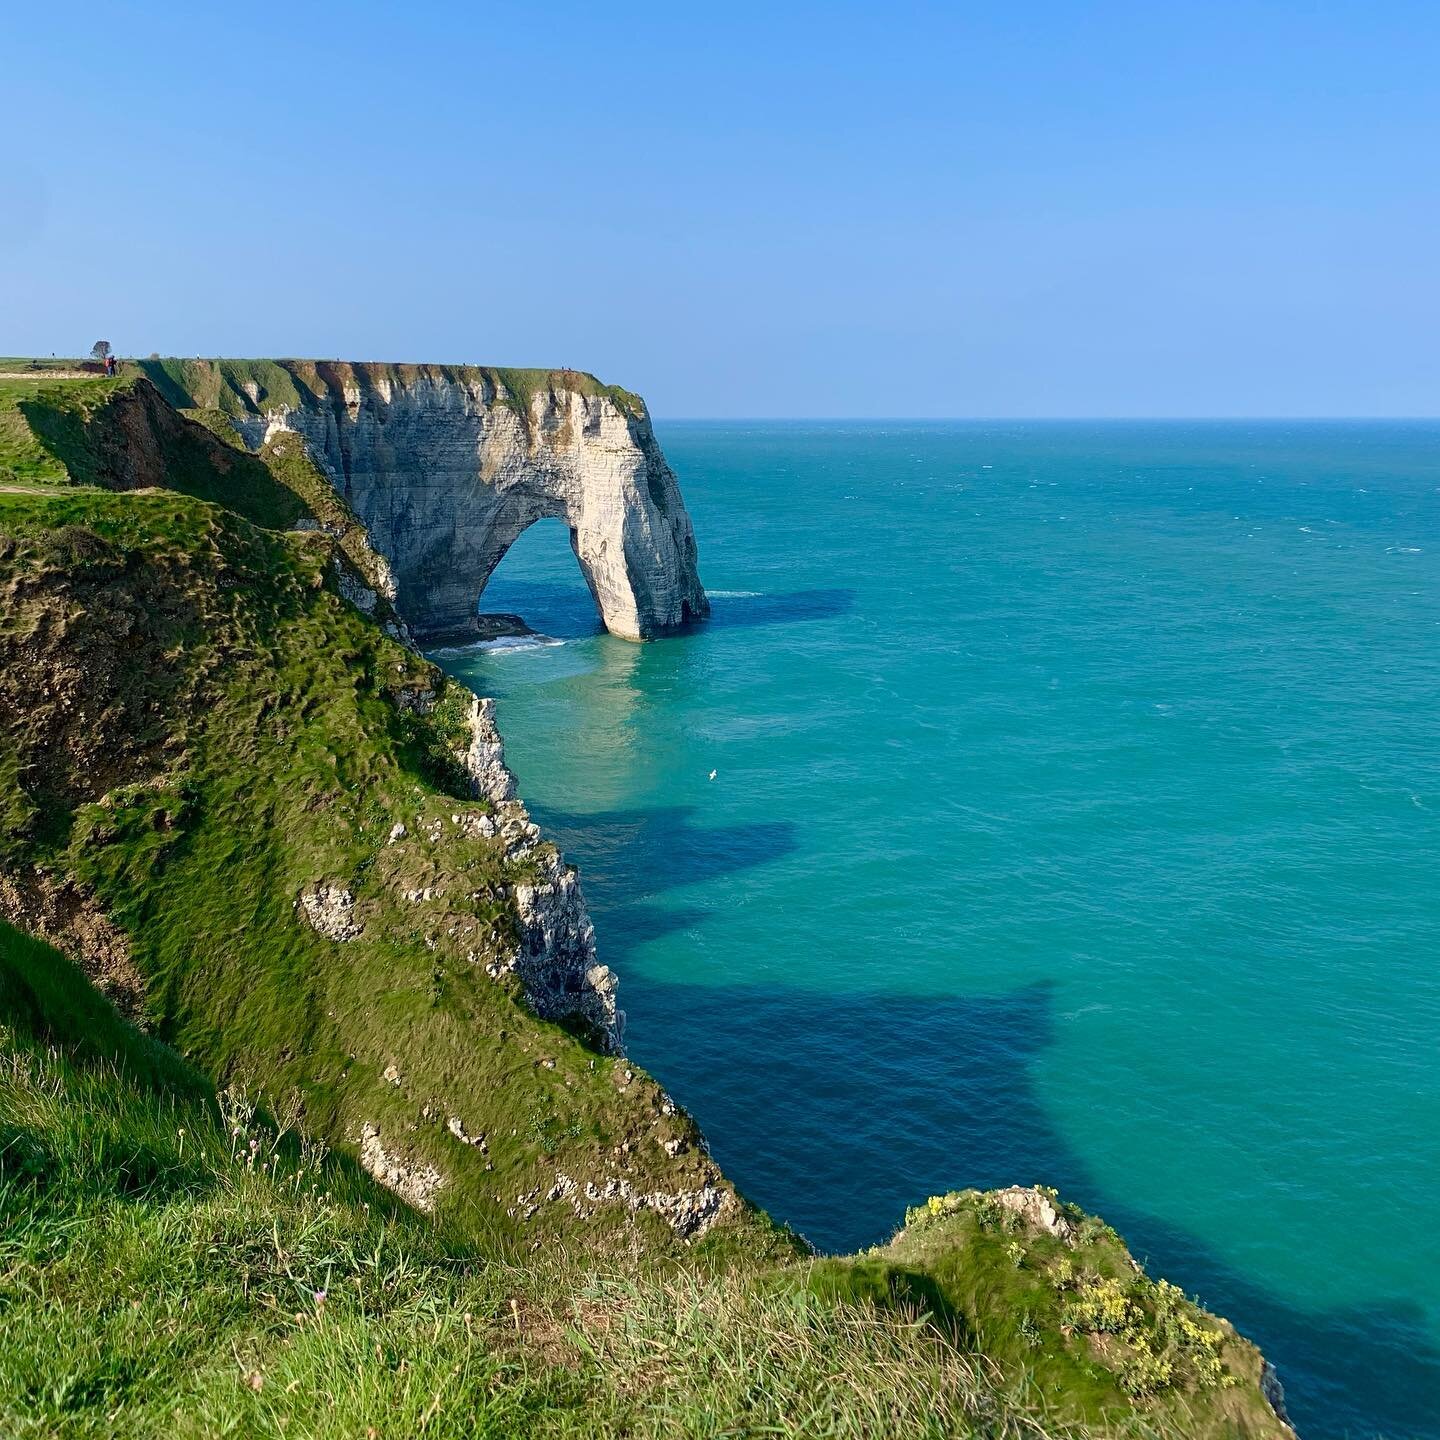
(446, 467)
(555, 958)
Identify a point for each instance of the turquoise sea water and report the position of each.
(1076, 819)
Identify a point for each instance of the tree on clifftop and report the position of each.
(100, 349)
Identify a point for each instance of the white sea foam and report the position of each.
(502, 645)
(507, 643)
(733, 594)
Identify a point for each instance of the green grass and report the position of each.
(195, 728)
(174, 1264)
(44, 456)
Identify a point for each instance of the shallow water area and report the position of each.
(1075, 818)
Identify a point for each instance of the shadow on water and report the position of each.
(781, 608)
(836, 1111)
(833, 1111)
(643, 852)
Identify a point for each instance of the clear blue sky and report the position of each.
(879, 209)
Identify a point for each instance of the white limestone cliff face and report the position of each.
(445, 474)
(555, 958)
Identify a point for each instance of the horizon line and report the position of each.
(1051, 419)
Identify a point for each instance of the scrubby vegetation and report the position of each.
(197, 730)
(1071, 1307)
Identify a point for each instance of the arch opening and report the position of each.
(539, 579)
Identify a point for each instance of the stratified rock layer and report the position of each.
(445, 469)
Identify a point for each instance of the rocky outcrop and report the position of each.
(414, 1181)
(330, 910)
(1036, 1208)
(689, 1213)
(1274, 1392)
(485, 756)
(446, 466)
(555, 958)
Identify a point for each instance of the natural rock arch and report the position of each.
(446, 472)
(625, 567)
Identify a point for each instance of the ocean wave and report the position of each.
(733, 594)
(501, 645)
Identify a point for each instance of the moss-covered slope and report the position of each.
(198, 731)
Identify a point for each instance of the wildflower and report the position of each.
(319, 1299)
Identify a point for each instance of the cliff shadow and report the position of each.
(566, 611)
(539, 579)
(625, 855)
(836, 1112)
(782, 607)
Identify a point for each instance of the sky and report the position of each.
(990, 209)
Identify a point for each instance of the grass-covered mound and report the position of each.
(1043, 1289)
(199, 733)
(40, 454)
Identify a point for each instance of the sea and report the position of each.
(1044, 802)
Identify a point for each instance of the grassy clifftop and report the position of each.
(248, 387)
(201, 738)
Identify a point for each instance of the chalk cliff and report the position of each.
(447, 465)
